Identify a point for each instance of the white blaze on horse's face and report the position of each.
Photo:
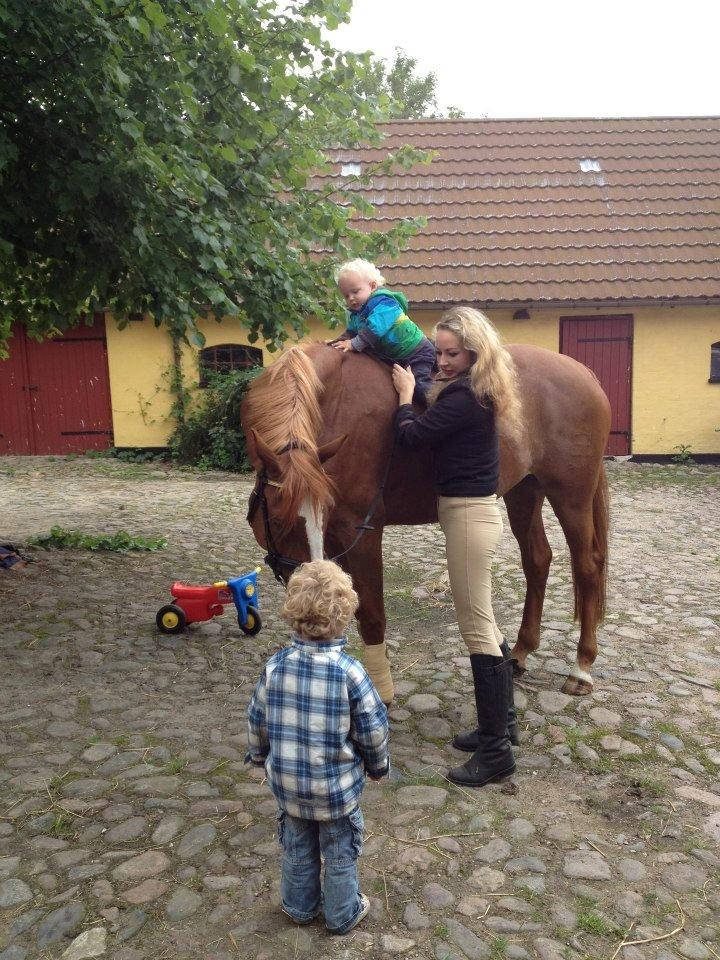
(313, 529)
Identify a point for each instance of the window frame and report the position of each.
(251, 357)
(714, 362)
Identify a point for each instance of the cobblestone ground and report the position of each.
(130, 828)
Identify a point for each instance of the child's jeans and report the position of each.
(422, 362)
(339, 842)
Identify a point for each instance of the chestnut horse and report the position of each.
(319, 428)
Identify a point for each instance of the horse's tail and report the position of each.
(283, 407)
(601, 550)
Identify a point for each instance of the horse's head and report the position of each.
(289, 505)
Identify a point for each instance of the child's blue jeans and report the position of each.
(340, 843)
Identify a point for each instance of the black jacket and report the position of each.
(461, 433)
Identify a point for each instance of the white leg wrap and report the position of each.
(378, 666)
(580, 674)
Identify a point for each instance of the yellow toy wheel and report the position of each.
(171, 619)
(252, 624)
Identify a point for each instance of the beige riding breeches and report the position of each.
(472, 527)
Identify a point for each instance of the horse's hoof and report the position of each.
(518, 670)
(576, 687)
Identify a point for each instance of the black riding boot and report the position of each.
(493, 759)
(469, 741)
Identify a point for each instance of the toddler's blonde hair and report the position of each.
(320, 600)
(366, 269)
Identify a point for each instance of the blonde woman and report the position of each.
(474, 392)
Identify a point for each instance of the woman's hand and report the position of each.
(343, 345)
(404, 383)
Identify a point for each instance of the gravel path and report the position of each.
(131, 829)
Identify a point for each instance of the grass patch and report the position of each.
(660, 910)
(399, 575)
(61, 778)
(585, 901)
(418, 780)
(532, 896)
(603, 764)
(498, 948)
(703, 758)
(650, 785)
(219, 767)
(174, 765)
(63, 826)
(441, 931)
(597, 925)
(120, 542)
(401, 605)
(121, 741)
(83, 706)
(662, 726)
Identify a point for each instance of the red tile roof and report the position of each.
(554, 210)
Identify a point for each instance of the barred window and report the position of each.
(226, 357)
(715, 362)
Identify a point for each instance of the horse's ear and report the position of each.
(265, 454)
(328, 450)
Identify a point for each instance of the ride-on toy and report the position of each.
(193, 604)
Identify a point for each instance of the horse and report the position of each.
(319, 431)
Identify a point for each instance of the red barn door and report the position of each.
(55, 395)
(604, 344)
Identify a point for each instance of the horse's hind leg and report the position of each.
(524, 506)
(586, 538)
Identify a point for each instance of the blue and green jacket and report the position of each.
(383, 327)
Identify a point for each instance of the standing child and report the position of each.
(379, 324)
(319, 726)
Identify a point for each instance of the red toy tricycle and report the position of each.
(193, 604)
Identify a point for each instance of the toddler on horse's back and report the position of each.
(378, 324)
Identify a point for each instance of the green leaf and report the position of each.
(154, 13)
(132, 129)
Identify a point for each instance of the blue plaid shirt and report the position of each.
(318, 722)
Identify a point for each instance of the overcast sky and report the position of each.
(553, 58)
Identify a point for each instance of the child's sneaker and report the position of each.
(364, 909)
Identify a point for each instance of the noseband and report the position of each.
(274, 559)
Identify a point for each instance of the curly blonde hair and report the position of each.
(366, 270)
(320, 600)
(493, 373)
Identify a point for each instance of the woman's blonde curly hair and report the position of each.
(493, 372)
(320, 600)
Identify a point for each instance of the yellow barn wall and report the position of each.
(672, 402)
(139, 361)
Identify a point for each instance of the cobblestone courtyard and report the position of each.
(131, 829)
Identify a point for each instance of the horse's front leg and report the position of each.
(364, 564)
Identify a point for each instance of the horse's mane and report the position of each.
(283, 407)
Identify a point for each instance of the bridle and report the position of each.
(274, 559)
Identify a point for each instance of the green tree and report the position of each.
(167, 157)
(412, 95)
